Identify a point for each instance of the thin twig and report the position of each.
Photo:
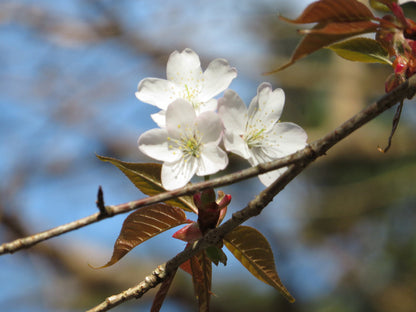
(396, 120)
(317, 148)
(112, 210)
(309, 154)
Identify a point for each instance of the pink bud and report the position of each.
(224, 200)
(399, 65)
(203, 200)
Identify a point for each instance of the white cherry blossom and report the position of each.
(256, 133)
(188, 144)
(185, 80)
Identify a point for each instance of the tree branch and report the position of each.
(301, 159)
(305, 157)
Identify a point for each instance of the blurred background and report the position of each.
(343, 233)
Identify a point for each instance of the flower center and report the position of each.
(190, 94)
(190, 145)
(254, 137)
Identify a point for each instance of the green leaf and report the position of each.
(216, 255)
(361, 50)
(146, 177)
(381, 5)
(252, 249)
(142, 224)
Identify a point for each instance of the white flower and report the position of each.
(185, 80)
(255, 134)
(188, 144)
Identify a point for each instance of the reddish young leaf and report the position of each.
(161, 293)
(186, 266)
(316, 40)
(252, 249)
(143, 224)
(201, 268)
(333, 11)
(189, 233)
(337, 20)
(345, 28)
(146, 177)
(309, 44)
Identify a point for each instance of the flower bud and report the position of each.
(211, 211)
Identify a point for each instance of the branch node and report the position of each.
(100, 202)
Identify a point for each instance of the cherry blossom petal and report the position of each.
(212, 160)
(267, 178)
(217, 78)
(266, 107)
(271, 176)
(157, 92)
(180, 117)
(233, 112)
(177, 174)
(255, 134)
(234, 143)
(185, 80)
(287, 138)
(210, 105)
(154, 144)
(184, 67)
(210, 126)
(159, 118)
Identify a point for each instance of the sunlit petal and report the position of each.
(256, 134)
(287, 138)
(234, 143)
(183, 67)
(212, 160)
(186, 80)
(233, 112)
(180, 117)
(210, 125)
(217, 78)
(177, 174)
(159, 118)
(155, 91)
(154, 144)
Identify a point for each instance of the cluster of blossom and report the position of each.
(194, 125)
